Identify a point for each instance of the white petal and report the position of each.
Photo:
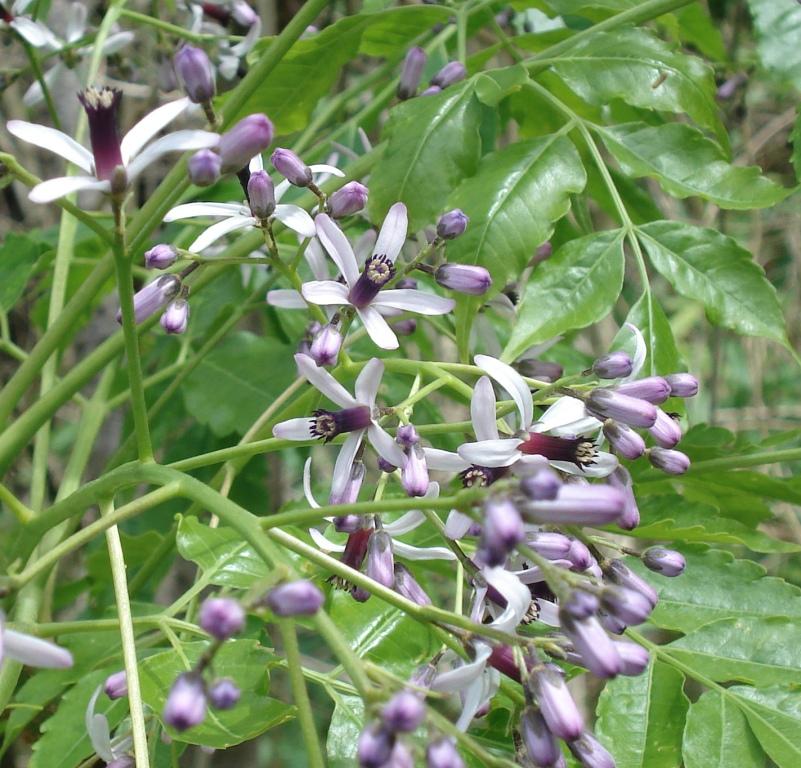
(338, 247)
(53, 189)
(549, 613)
(408, 552)
(177, 141)
(477, 695)
(97, 728)
(344, 463)
(412, 300)
(405, 523)
(482, 410)
(53, 141)
(393, 232)
(324, 382)
(324, 168)
(194, 210)
(35, 95)
(293, 429)
(368, 381)
(444, 461)
(491, 453)
(220, 229)
(281, 189)
(517, 594)
(325, 292)
(363, 248)
(252, 36)
(38, 35)
(316, 260)
(640, 351)
(116, 42)
(564, 411)
(296, 219)
(149, 126)
(34, 651)
(585, 426)
(286, 298)
(385, 446)
(377, 328)
(459, 678)
(307, 489)
(323, 543)
(76, 22)
(513, 383)
(457, 524)
(256, 164)
(605, 464)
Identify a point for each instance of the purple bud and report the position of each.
(385, 466)
(589, 752)
(630, 517)
(414, 474)
(291, 167)
(557, 707)
(554, 546)
(249, 137)
(612, 623)
(452, 224)
(380, 560)
(407, 586)
(186, 702)
(541, 745)
(617, 572)
(222, 617)
(451, 73)
(668, 562)
(580, 604)
(629, 605)
(666, 430)
(682, 384)
(407, 436)
(153, 297)
(443, 754)
(224, 693)
(403, 712)
(633, 656)
(503, 530)
(625, 441)
(261, 195)
(596, 648)
(543, 252)
(116, 685)
(347, 200)
(611, 404)
(195, 73)
(579, 555)
(729, 87)
(325, 346)
(176, 316)
(295, 598)
(347, 523)
(350, 492)
(654, 389)
(405, 327)
(243, 14)
(204, 168)
(613, 366)
(578, 505)
(464, 278)
(161, 256)
(432, 90)
(375, 746)
(672, 462)
(540, 369)
(401, 757)
(412, 73)
(543, 485)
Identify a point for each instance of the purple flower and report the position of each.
(464, 278)
(634, 657)
(325, 346)
(579, 555)
(224, 693)
(668, 562)
(666, 430)
(176, 316)
(596, 648)
(222, 617)
(153, 297)
(654, 389)
(629, 605)
(116, 685)
(347, 200)
(249, 137)
(554, 546)
(291, 167)
(295, 598)
(682, 384)
(161, 256)
(541, 745)
(412, 73)
(375, 746)
(630, 517)
(380, 560)
(186, 703)
(414, 473)
(261, 195)
(617, 572)
(580, 604)
(611, 404)
(626, 442)
(557, 707)
(578, 505)
(432, 90)
(503, 530)
(452, 224)
(451, 73)
(403, 712)
(543, 485)
(672, 462)
(204, 168)
(443, 754)
(615, 365)
(589, 752)
(406, 585)
(196, 73)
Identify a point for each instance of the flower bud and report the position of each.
(432, 90)
(380, 560)
(186, 703)
(580, 604)
(624, 440)
(405, 327)
(176, 316)
(557, 707)
(630, 517)
(666, 430)
(613, 366)
(195, 73)
(325, 346)
(596, 648)
(451, 73)
(261, 195)
(464, 278)
(347, 523)
(347, 200)
(654, 389)
(617, 572)
(403, 712)
(153, 297)
(579, 555)
(543, 485)
(628, 605)
(443, 754)
(634, 657)
(412, 73)
(589, 752)
(611, 404)
(375, 746)
(406, 436)
(385, 466)
(406, 282)
(350, 491)
(222, 617)
(543, 252)
(243, 14)
(540, 369)
(452, 224)
(204, 168)
(161, 256)
(668, 562)
(554, 546)
(291, 167)
(682, 384)
(414, 474)
(407, 586)
(401, 757)
(249, 137)
(612, 623)
(295, 598)
(541, 745)
(503, 530)
(116, 685)
(224, 693)
(578, 505)
(672, 462)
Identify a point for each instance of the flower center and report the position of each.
(378, 271)
(481, 477)
(577, 450)
(100, 105)
(328, 424)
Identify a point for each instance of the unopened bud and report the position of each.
(204, 168)
(452, 224)
(249, 137)
(380, 560)
(541, 745)
(222, 617)
(403, 712)
(666, 430)
(668, 562)
(611, 404)
(654, 389)
(325, 346)
(375, 746)
(464, 278)
(186, 703)
(613, 366)
(291, 167)
(556, 704)
(176, 316)
(543, 485)
(589, 752)
(412, 73)
(414, 474)
(443, 754)
(451, 73)
(196, 73)
(347, 200)
(672, 462)
(634, 657)
(153, 297)
(261, 195)
(625, 441)
(295, 598)
(503, 530)
(596, 648)
(224, 693)
(116, 685)
(682, 384)
(161, 256)
(406, 585)
(432, 90)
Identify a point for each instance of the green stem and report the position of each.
(20, 511)
(39, 75)
(174, 29)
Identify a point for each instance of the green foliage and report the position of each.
(777, 26)
(773, 714)
(18, 257)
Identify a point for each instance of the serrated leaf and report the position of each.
(716, 586)
(236, 382)
(432, 145)
(753, 649)
(247, 663)
(777, 28)
(18, 257)
(688, 164)
(577, 286)
(717, 735)
(773, 714)
(640, 719)
(705, 265)
(662, 356)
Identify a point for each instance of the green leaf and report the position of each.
(347, 723)
(390, 32)
(717, 735)
(640, 719)
(576, 287)
(247, 663)
(705, 265)
(688, 164)
(636, 67)
(432, 144)
(752, 649)
(236, 382)
(716, 586)
(512, 201)
(773, 714)
(18, 257)
(224, 558)
(778, 26)
(662, 356)
(495, 84)
(795, 138)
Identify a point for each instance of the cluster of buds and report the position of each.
(167, 294)
(412, 75)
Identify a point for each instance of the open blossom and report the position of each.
(362, 290)
(33, 32)
(133, 154)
